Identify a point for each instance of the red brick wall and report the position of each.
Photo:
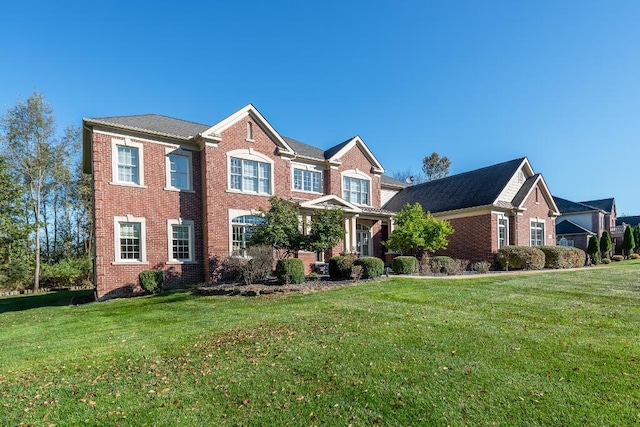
(474, 238)
(539, 209)
(153, 203)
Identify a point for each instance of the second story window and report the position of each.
(306, 180)
(250, 176)
(127, 164)
(179, 170)
(356, 190)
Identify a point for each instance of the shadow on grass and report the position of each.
(49, 299)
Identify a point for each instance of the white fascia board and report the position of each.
(313, 204)
(376, 167)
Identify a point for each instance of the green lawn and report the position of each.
(555, 348)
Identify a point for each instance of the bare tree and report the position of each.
(435, 167)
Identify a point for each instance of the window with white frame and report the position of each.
(241, 231)
(181, 240)
(307, 180)
(127, 162)
(250, 172)
(129, 233)
(503, 231)
(179, 167)
(356, 190)
(537, 233)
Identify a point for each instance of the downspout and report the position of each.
(93, 214)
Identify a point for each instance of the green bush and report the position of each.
(606, 261)
(634, 256)
(340, 266)
(67, 272)
(290, 271)
(440, 264)
(563, 257)
(404, 264)
(151, 280)
(617, 258)
(372, 267)
(520, 258)
(482, 267)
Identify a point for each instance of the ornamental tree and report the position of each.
(628, 243)
(418, 231)
(605, 244)
(593, 249)
(636, 235)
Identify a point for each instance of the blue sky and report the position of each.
(480, 82)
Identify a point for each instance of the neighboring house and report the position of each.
(578, 221)
(491, 207)
(182, 196)
(623, 221)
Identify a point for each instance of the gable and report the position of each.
(515, 183)
(330, 201)
(213, 134)
(335, 154)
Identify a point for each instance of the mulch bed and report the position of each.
(313, 285)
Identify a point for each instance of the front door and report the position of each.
(363, 240)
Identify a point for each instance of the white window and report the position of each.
(181, 241)
(179, 167)
(565, 242)
(250, 172)
(356, 188)
(307, 180)
(241, 231)
(363, 240)
(537, 233)
(503, 231)
(127, 163)
(129, 238)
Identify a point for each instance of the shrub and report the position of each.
(67, 272)
(356, 272)
(481, 266)
(520, 258)
(439, 264)
(634, 256)
(340, 266)
(424, 265)
(151, 280)
(372, 267)
(606, 261)
(290, 270)
(616, 258)
(593, 249)
(455, 267)
(404, 264)
(563, 257)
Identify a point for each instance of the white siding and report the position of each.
(512, 188)
(386, 195)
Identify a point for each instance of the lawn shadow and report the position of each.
(48, 299)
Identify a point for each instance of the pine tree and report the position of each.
(629, 241)
(593, 249)
(605, 244)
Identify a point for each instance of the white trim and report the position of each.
(376, 167)
(251, 155)
(117, 220)
(126, 142)
(234, 213)
(215, 131)
(184, 222)
(317, 203)
(184, 153)
(499, 217)
(544, 230)
(177, 144)
(357, 174)
(307, 168)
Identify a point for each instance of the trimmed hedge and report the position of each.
(404, 264)
(340, 266)
(151, 280)
(563, 257)
(372, 267)
(520, 258)
(290, 271)
(440, 263)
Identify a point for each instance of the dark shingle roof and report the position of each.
(154, 123)
(567, 206)
(570, 227)
(333, 150)
(630, 220)
(479, 187)
(602, 204)
(392, 182)
(304, 150)
(524, 190)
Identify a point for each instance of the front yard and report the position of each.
(554, 348)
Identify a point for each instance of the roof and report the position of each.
(305, 150)
(480, 187)
(388, 181)
(153, 123)
(569, 207)
(606, 205)
(630, 220)
(570, 227)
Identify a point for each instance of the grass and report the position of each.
(555, 348)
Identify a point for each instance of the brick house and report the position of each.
(578, 221)
(181, 196)
(491, 207)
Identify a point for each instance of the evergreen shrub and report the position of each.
(520, 258)
(372, 267)
(290, 271)
(404, 264)
(340, 266)
(151, 280)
